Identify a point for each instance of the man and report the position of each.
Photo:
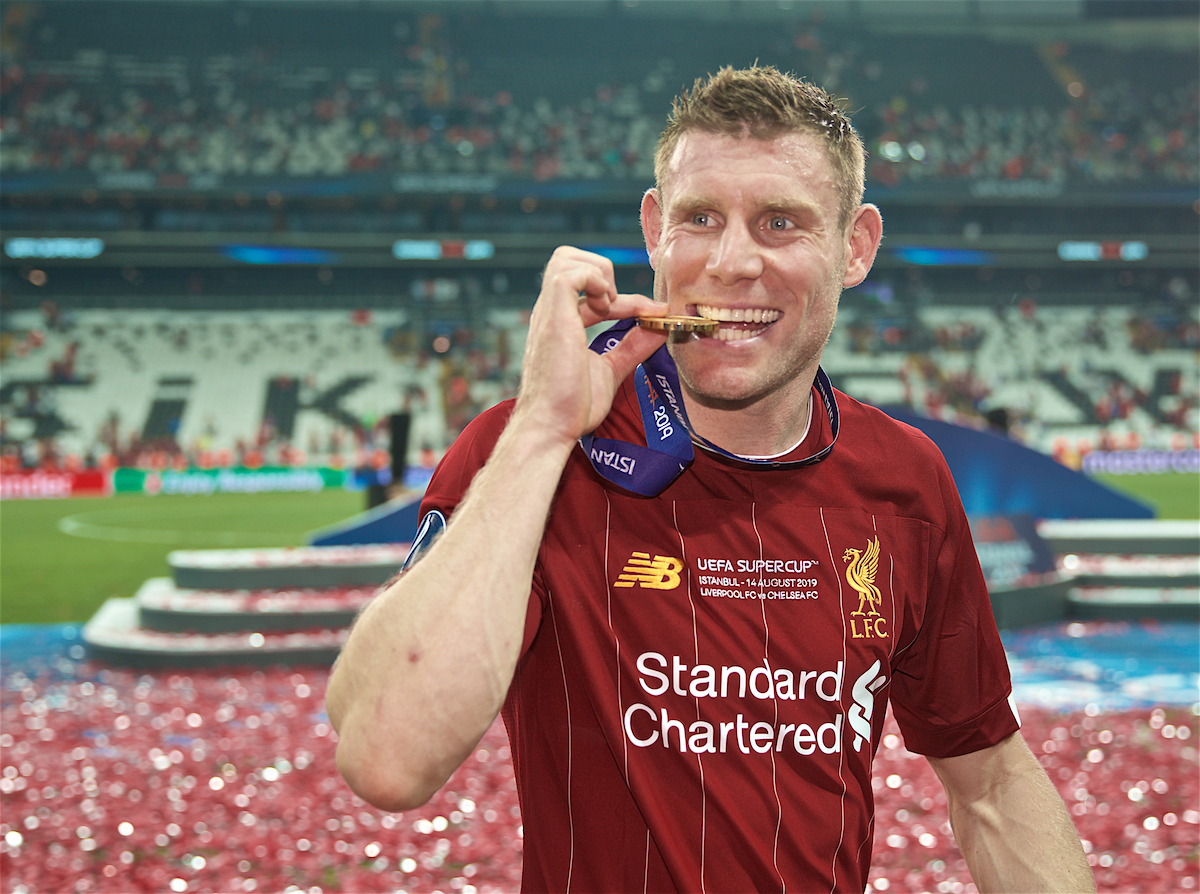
(693, 648)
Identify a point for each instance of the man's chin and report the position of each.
(720, 389)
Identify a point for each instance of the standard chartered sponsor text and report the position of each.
(646, 725)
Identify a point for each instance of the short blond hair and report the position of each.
(763, 102)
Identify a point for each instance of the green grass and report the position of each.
(48, 576)
(1171, 494)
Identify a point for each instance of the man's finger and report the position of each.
(596, 309)
(636, 346)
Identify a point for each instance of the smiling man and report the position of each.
(748, 226)
(694, 649)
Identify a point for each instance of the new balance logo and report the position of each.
(658, 573)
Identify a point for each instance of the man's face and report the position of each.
(746, 231)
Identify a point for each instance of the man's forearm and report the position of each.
(428, 663)
(1011, 824)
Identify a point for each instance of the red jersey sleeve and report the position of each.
(449, 484)
(951, 686)
(465, 457)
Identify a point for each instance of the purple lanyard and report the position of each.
(648, 470)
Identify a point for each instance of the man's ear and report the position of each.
(651, 222)
(866, 232)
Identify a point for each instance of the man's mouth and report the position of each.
(738, 323)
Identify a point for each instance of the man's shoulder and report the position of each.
(474, 444)
(872, 428)
(492, 420)
(872, 415)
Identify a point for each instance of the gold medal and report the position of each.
(678, 323)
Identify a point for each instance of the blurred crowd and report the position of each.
(946, 375)
(1157, 141)
(440, 380)
(961, 371)
(435, 100)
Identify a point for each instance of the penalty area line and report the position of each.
(73, 526)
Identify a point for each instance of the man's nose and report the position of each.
(736, 256)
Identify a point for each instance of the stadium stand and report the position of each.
(314, 386)
(244, 180)
(439, 92)
(208, 386)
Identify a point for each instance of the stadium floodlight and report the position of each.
(417, 250)
(58, 247)
(433, 250)
(1103, 251)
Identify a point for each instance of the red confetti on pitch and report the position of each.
(225, 781)
(111, 781)
(1145, 841)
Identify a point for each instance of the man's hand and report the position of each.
(567, 389)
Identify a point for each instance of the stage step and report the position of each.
(236, 606)
(165, 607)
(1034, 601)
(1132, 571)
(115, 634)
(1114, 603)
(1122, 536)
(283, 568)
(1128, 569)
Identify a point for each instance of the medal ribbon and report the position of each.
(669, 436)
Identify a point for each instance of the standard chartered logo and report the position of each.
(863, 692)
(657, 573)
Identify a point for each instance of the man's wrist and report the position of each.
(531, 433)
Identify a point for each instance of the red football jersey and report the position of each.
(705, 673)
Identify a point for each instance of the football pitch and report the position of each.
(60, 559)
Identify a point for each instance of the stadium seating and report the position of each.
(469, 95)
(1052, 373)
(218, 367)
(1069, 376)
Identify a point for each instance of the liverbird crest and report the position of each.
(860, 574)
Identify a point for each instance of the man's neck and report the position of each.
(766, 427)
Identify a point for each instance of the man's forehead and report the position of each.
(789, 144)
(802, 158)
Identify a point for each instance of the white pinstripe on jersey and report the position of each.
(567, 697)
(845, 656)
(696, 653)
(774, 705)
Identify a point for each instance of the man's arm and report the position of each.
(1010, 823)
(429, 661)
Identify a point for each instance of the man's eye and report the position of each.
(778, 223)
(700, 220)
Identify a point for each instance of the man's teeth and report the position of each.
(737, 314)
(745, 315)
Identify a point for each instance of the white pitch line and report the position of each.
(71, 525)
